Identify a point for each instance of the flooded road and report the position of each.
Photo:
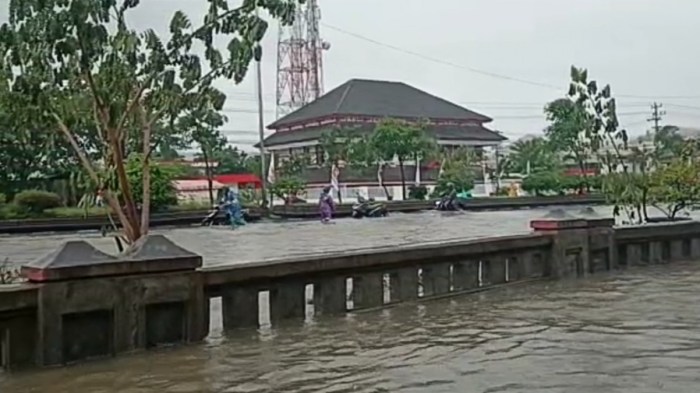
(273, 240)
(635, 331)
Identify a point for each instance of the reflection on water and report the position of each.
(635, 332)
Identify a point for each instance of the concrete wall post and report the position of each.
(368, 290)
(330, 295)
(465, 275)
(436, 279)
(240, 307)
(403, 284)
(287, 301)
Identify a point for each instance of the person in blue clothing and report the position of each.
(232, 204)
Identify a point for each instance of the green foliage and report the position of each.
(668, 143)
(417, 192)
(288, 188)
(534, 155)
(401, 140)
(337, 146)
(293, 166)
(162, 190)
(3, 199)
(36, 201)
(457, 171)
(553, 182)
(675, 186)
(233, 160)
(570, 129)
(542, 183)
(628, 193)
(79, 67)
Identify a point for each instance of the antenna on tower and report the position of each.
(300, 60)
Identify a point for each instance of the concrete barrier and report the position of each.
(81, 303)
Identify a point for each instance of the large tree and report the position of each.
(202, 124)
(570, 130)
(403, 141)
(88, 74)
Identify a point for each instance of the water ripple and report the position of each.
(637, 331)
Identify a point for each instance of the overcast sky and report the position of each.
(646, 49)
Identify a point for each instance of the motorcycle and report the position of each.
(219, 216)
(448, 203)
(368, 208)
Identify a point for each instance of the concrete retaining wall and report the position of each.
(109, 305)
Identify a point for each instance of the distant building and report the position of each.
(359, 105)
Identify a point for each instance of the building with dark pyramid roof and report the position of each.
(359, 105)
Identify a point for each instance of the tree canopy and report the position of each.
(80, 69)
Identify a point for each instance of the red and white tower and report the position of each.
(300, 60)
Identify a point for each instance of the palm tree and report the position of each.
(527, 156)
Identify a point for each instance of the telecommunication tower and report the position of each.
(300, 60)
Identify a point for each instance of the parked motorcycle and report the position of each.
(368, 208)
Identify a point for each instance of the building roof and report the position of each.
(195, 185)
(378, 99)
(444, 133)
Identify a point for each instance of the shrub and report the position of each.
(163, 192)
(417, 192)
(36, 201)
(3, 199)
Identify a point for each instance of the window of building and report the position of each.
(319, 155)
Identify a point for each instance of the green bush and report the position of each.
(417, 192)
(541, 183)
(3, 199)
(163, 192)
(36, 201)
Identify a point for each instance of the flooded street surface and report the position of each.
(636, 331)
(272, 240)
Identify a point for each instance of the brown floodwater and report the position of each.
(634, 331)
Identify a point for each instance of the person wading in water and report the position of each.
(326, 205)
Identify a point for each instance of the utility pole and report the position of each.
(261, 126)
(497, 171)
(656, 115)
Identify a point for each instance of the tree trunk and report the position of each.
(130, 218)
(146, 199)
(403, 180)
(582, 167)
(645, 214)
(207, 170)
(380, 178)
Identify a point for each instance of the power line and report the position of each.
(684, 106)
(483, 72)
(433, 59)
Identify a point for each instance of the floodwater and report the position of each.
(273, 240)
(635, 331)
